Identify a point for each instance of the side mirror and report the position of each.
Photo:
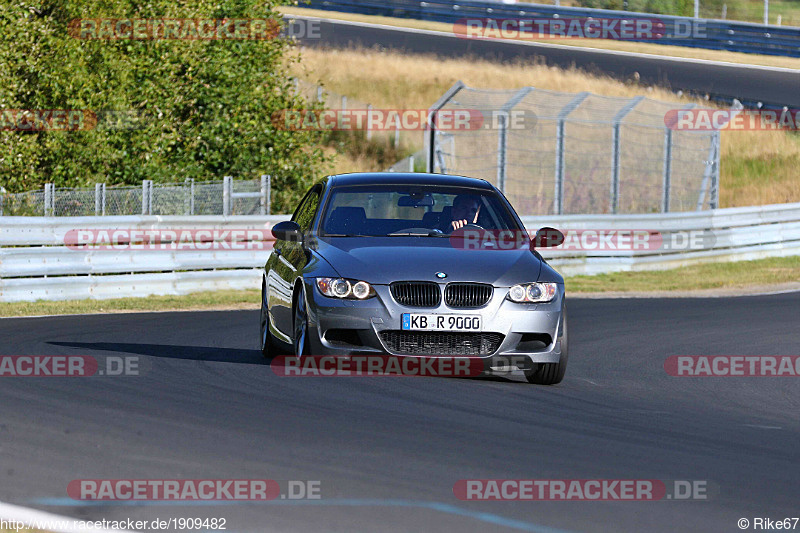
(547, 238)
(287, 231)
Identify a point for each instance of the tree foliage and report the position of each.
(167, 109)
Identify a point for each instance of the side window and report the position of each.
(304, 216)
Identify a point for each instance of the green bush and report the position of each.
(203, 107)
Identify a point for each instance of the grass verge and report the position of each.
(199, 300)
(734, 275)
(604, 44)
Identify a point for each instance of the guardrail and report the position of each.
(683, 31)
(46, 258)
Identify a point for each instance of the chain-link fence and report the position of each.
(566, 153)
(226, 197)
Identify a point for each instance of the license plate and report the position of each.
(423, 322)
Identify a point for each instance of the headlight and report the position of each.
(345, 288)
(533, 292)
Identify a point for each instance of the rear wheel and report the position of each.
(551, 373)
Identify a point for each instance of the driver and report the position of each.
(466, 209)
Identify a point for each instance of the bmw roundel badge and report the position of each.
(441, 275)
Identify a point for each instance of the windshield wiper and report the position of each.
(346, 235)
(431, 233)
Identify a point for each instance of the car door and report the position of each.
(290, 261)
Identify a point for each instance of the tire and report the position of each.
(552, 373)
(267, 349)
(300, 326)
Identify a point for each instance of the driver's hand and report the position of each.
(454, 225)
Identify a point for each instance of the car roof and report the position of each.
(407, 178)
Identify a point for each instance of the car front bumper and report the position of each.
(531, 333)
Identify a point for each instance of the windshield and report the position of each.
(372, 210)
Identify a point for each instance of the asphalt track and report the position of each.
(388, 450)
(773, 87)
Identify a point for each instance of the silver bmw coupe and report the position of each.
(414, 265)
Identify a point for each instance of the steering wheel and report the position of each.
(472, 226)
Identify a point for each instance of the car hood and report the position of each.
(383, 260)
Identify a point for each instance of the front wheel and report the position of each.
(551, 373)
(300, 337)
(266, 337)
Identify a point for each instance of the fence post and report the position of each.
(558, 195)
(320, 94)
(713, 202)
(265, 194)
(615, 151)
(227, 188)
(189, 186)
(397, 132)
(99, 199)
(147, 197)
(667, 170)
(708, 174)
(344, 103)
(502, 135)
(49, 200)
(501, 151)
(430, 125)
(411, 163)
